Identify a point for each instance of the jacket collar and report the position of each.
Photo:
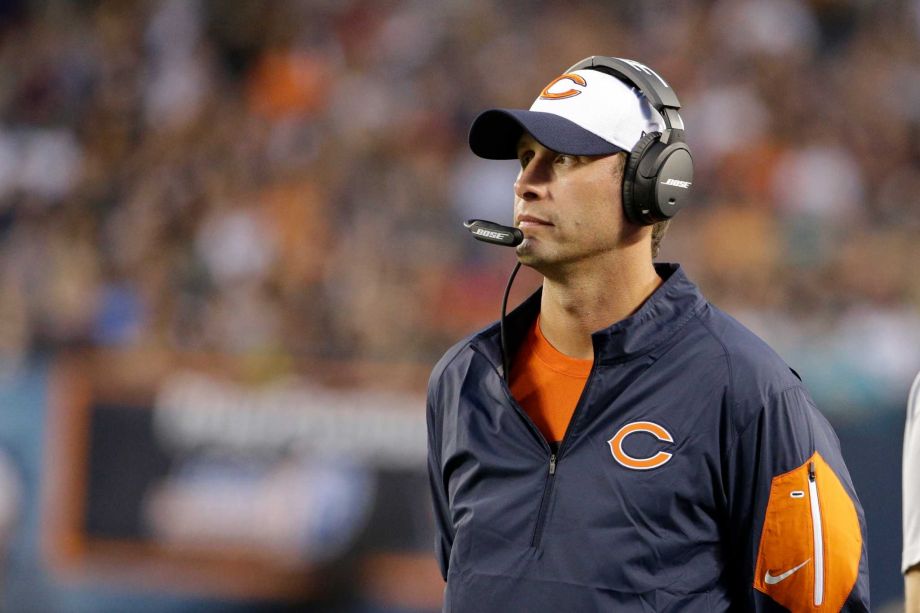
(661, 316)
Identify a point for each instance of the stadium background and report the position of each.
(230, 251)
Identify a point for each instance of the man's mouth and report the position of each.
(529, 221)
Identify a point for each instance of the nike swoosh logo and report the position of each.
(774, 579)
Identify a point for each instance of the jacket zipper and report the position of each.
(553, 459)
(544, 502)
(818, 534)
(549, 486)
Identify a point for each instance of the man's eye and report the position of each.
(525, 158)
(565, 159)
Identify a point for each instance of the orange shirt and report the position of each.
(547, 384)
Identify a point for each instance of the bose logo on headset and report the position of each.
(678, 183)
(490, 233)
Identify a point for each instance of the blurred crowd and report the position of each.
(288, 178)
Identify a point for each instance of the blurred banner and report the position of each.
(204, 474)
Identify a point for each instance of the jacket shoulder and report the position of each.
(757, 373)
(448, 359)
(455, 356)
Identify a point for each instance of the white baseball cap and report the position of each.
(585, 112)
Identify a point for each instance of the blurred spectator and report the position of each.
(289, 178)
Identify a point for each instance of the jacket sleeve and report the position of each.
(797, 533)
(444, 536)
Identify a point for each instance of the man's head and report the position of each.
(581, 128)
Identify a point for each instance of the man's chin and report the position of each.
(533, 254)
(526, 251)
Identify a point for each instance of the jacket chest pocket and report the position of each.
(811, 543)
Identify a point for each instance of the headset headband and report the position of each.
(653, 87)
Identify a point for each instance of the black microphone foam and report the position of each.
(497, 234)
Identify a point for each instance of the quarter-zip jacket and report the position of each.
(696, 474)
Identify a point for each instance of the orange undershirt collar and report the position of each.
(547, 383)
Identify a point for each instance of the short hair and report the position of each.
(658, 232)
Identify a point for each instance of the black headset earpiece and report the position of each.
(656, 179)
(659, 169)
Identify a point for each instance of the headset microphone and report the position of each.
(506, 236)
(497, 234)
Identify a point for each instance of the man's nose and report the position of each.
(531, 182)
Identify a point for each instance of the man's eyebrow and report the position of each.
(525, 139)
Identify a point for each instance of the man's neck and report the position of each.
(593, 296)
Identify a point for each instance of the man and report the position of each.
(910, 561)
(648, 452)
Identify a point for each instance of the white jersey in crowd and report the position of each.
(911, 480)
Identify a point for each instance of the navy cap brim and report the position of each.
(495, 133)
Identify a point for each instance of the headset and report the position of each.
(659, 169)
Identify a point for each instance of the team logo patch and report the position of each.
(649, 427)
(574, 78)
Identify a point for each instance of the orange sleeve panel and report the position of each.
(547, 384)
(811, 542)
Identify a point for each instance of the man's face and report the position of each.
(567, 206)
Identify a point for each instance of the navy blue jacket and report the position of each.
(696, 474)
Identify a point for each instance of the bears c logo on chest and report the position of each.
(649, 427)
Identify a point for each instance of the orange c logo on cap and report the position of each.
(577, 79)
(616, 445)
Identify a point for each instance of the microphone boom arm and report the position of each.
(506, 236)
